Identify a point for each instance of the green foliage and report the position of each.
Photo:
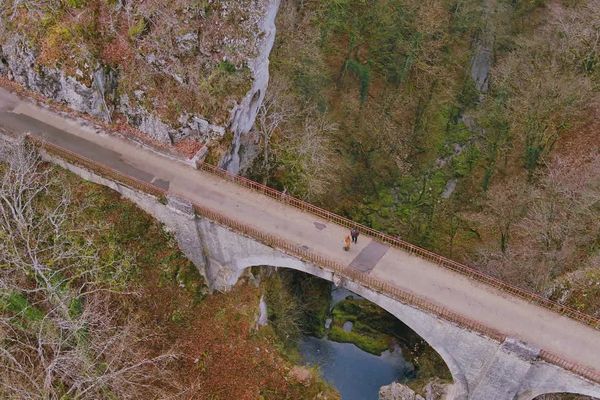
(76, 307)
(412, 201)
(363, 73)
(224, 80)
(469, 95)
(463, 164)
(310, 85)
(285, 312)
(466, 16)
(75, 3)
(375, 34)
(523, 8)
(389, 139)
(363, 335)
(304, 293)
(429, 365)
(178, 317)
(365, 340)
(373, 328)
(315, 294)
(138, 28)
(533, 153)
(227, 66)
(18, 305)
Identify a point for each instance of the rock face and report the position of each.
(263, 315)
(436, 390)
(245, 113)
(18, 61)
(481, 65)
(483, 56)
(301, 375)
(198, 38)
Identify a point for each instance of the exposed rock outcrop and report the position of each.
(397, 391)
(19, 63)
(262, 318)
(244, 114)
(483, 56)
(231, 43)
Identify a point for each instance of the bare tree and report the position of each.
(562, 216)
(550, 229)
(273, 113)
(507, 205)
(60, 334)
(298, 137)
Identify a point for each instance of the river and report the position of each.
(356, 374)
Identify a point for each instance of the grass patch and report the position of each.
(137, 29)
(18, 305)
(367, 340)
(429, 365)
(374, 330)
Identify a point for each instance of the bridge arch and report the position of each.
(420, 325)
(573, 386)
(540, 396)
(545, 378)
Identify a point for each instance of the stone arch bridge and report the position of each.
(499, 343)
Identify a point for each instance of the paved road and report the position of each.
(509, 315)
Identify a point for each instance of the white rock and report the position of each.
(397, 391)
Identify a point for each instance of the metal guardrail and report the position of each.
(410, 248)
(580, 370)
(300, 252)
(97, 167)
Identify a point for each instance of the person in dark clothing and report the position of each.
(354, 235)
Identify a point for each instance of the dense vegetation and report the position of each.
(97, 302)
(373, 112)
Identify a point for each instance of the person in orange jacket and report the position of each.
(347, 242)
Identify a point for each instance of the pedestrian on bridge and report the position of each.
(347, 242)
(354, 233)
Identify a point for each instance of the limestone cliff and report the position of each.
(185, 74)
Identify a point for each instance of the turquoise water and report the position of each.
(356, 374)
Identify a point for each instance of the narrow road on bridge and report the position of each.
(511, 316)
